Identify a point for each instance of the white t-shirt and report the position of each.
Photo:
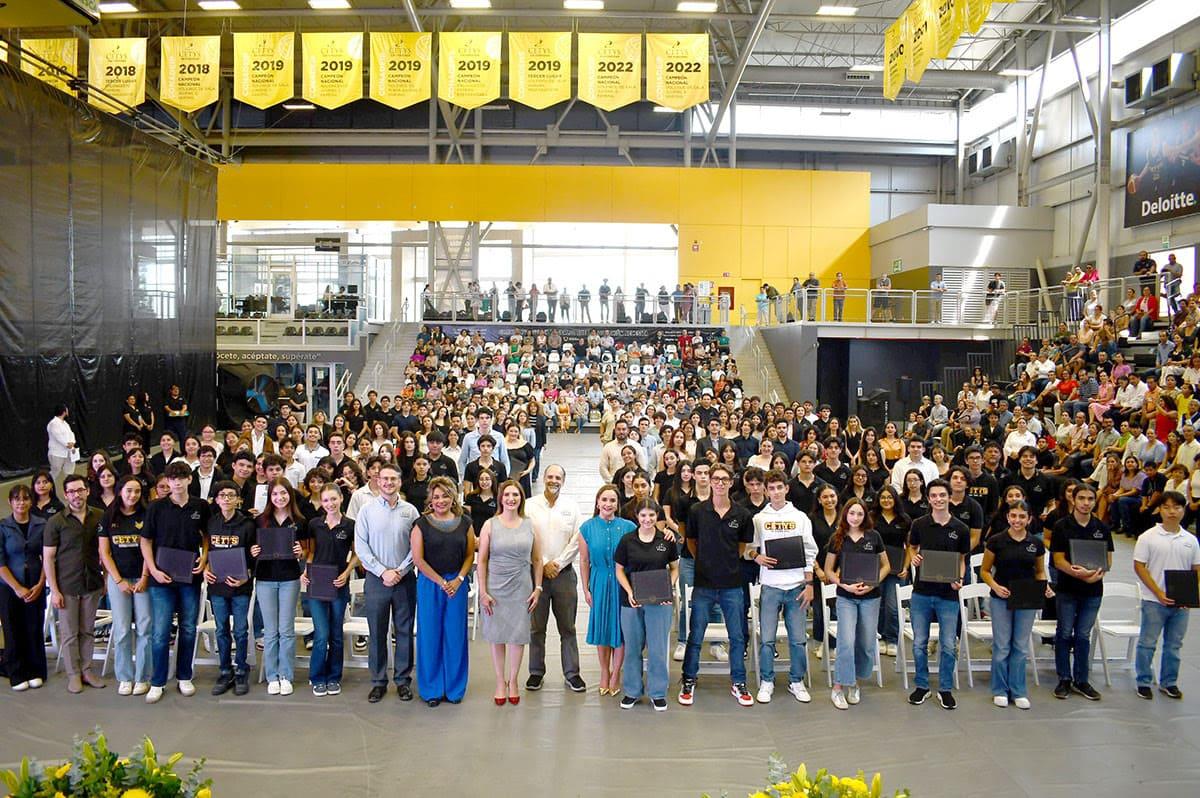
(1161, 551)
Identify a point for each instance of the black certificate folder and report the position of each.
(320, 581)
(940, 566)
(1182, 588)
(1090, 554)
(788, 551)
(225, 563)
(860, 566)
(176, 563)
(1027, 594)
(652, 587)
(277, 543)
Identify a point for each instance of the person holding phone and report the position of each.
(786, 590)
(230, 528)
(645, 626)
(1079, 593)
(443, 548)
(938, 531)
(857, 602)
(1010, 555)
(1163, 547)
(128, 579)
(278, 585)
(332, 544)
(176, 521)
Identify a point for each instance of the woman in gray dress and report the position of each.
(510, 583)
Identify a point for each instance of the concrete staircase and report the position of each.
(387, 358)
(757, 368)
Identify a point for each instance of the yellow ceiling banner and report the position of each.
(539, 68)
(3, 51)
(401, 68)
(190, 72)
(610, 69)
(332, 68)
(677, 69)
(62, 53)
(976, 14)
(920, 42)
(264, 68)
(118, 68)
(946, 19)
(469, 67)
(895, 62)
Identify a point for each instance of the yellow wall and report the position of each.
(753, 224)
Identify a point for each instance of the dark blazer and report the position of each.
(194, 485)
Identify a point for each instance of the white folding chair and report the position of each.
(355, 626)
(1122, 623)
(829, 596)
(781, 634)
(978, 629)
(904, 594)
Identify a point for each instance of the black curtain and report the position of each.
(107, 285)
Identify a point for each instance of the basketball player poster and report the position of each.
(1163, 169)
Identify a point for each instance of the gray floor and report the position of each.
(557, 743)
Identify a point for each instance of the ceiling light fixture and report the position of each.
(328, 5)
(118, 8)
(867, 68)
(470, 4)
(583, 5)
(658, 109)
(835, 113)
(299, 107)
(696, 7)
(1013, 72)
(219, 5)
(837, 11)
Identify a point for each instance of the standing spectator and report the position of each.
(938, 286)
(510, 295)
(664, 305)
(839, 296)
(533, 302)
(760, 302)
(175, 521)
(1144, 268)
(23, 594)
(995, 292)
(605, 292)
(551, 294)
(812, 295)
(1172, 275)
(71, 558)
(884, 306)
(382, 534)
(176, 408)
(564, 304)
(556, 521)
(639, 302)
(585, 299)
(131, 418)
(146, 411)
(62, 453)
(677, 302)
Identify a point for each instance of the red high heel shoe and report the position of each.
(514, 699)
(499, 701)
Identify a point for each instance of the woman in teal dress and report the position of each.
(599, 536)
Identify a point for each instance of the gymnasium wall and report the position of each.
(736, 227)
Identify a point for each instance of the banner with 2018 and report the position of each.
(1163, 169)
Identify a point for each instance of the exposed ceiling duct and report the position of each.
(843, 76)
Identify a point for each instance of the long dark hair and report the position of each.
(110, 512)
(902, 519)
(839, 535)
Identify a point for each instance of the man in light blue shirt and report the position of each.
(381, 540)
(470, 442)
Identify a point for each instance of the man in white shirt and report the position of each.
(556, 521)
(364, 494)
(610, 455)
(293, 470)
(61, 450)
(312, 451)
(1189, 450)
(915, 459)
(1164, 547)
(470, 442)
(789, 590)
(206, 475)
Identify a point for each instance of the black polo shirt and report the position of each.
(968, 511)
(869, 543)
(718, 563)
(985, 490)
(839, 478)
(1066, 530)
(177, 527)
(1038, 489)
(928, 535)
(803, 497)
(77, 561)
(443, 466)
(1014, 559)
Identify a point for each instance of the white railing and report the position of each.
(384, 347)
(304, 332)
(475, 306)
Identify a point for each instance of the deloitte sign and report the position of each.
(1162, 179)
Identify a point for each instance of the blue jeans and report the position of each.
(923, 610)
(857, 620)
(795, 616)
(687, 577)
(889, 626)
(648, 627)
(165, 602)
(237, 609)
(1128, 510)
(1171, 623)
(325, 663)
(1010, 648)
(130, 614)
(278, 603)
(1076, 618)
(730, 602)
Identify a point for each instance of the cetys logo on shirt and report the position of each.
(1098, 535)
(1031, 548)
(868, 547)
(661, 547)
(735, 524)
(953, 536)
(196, 515)
(138, 524)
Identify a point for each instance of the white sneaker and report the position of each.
(718, 652)
(125, 688)
(1000, 700)
(186, 687)
(20, 687)
(765, 691)
(272, 688)
(1021, 703)
(680, 650)
(800, 692)
(141, 688)
(285, 687)
(154, 695)
(35, 683)
(839, 699)
(853, 696)
(889, 650)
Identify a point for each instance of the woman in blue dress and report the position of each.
(599, 536)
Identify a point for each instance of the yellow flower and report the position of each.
(204, 793)
(59, 795)
(136, 792)
(62, 771)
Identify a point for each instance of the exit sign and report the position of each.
(897, 266)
